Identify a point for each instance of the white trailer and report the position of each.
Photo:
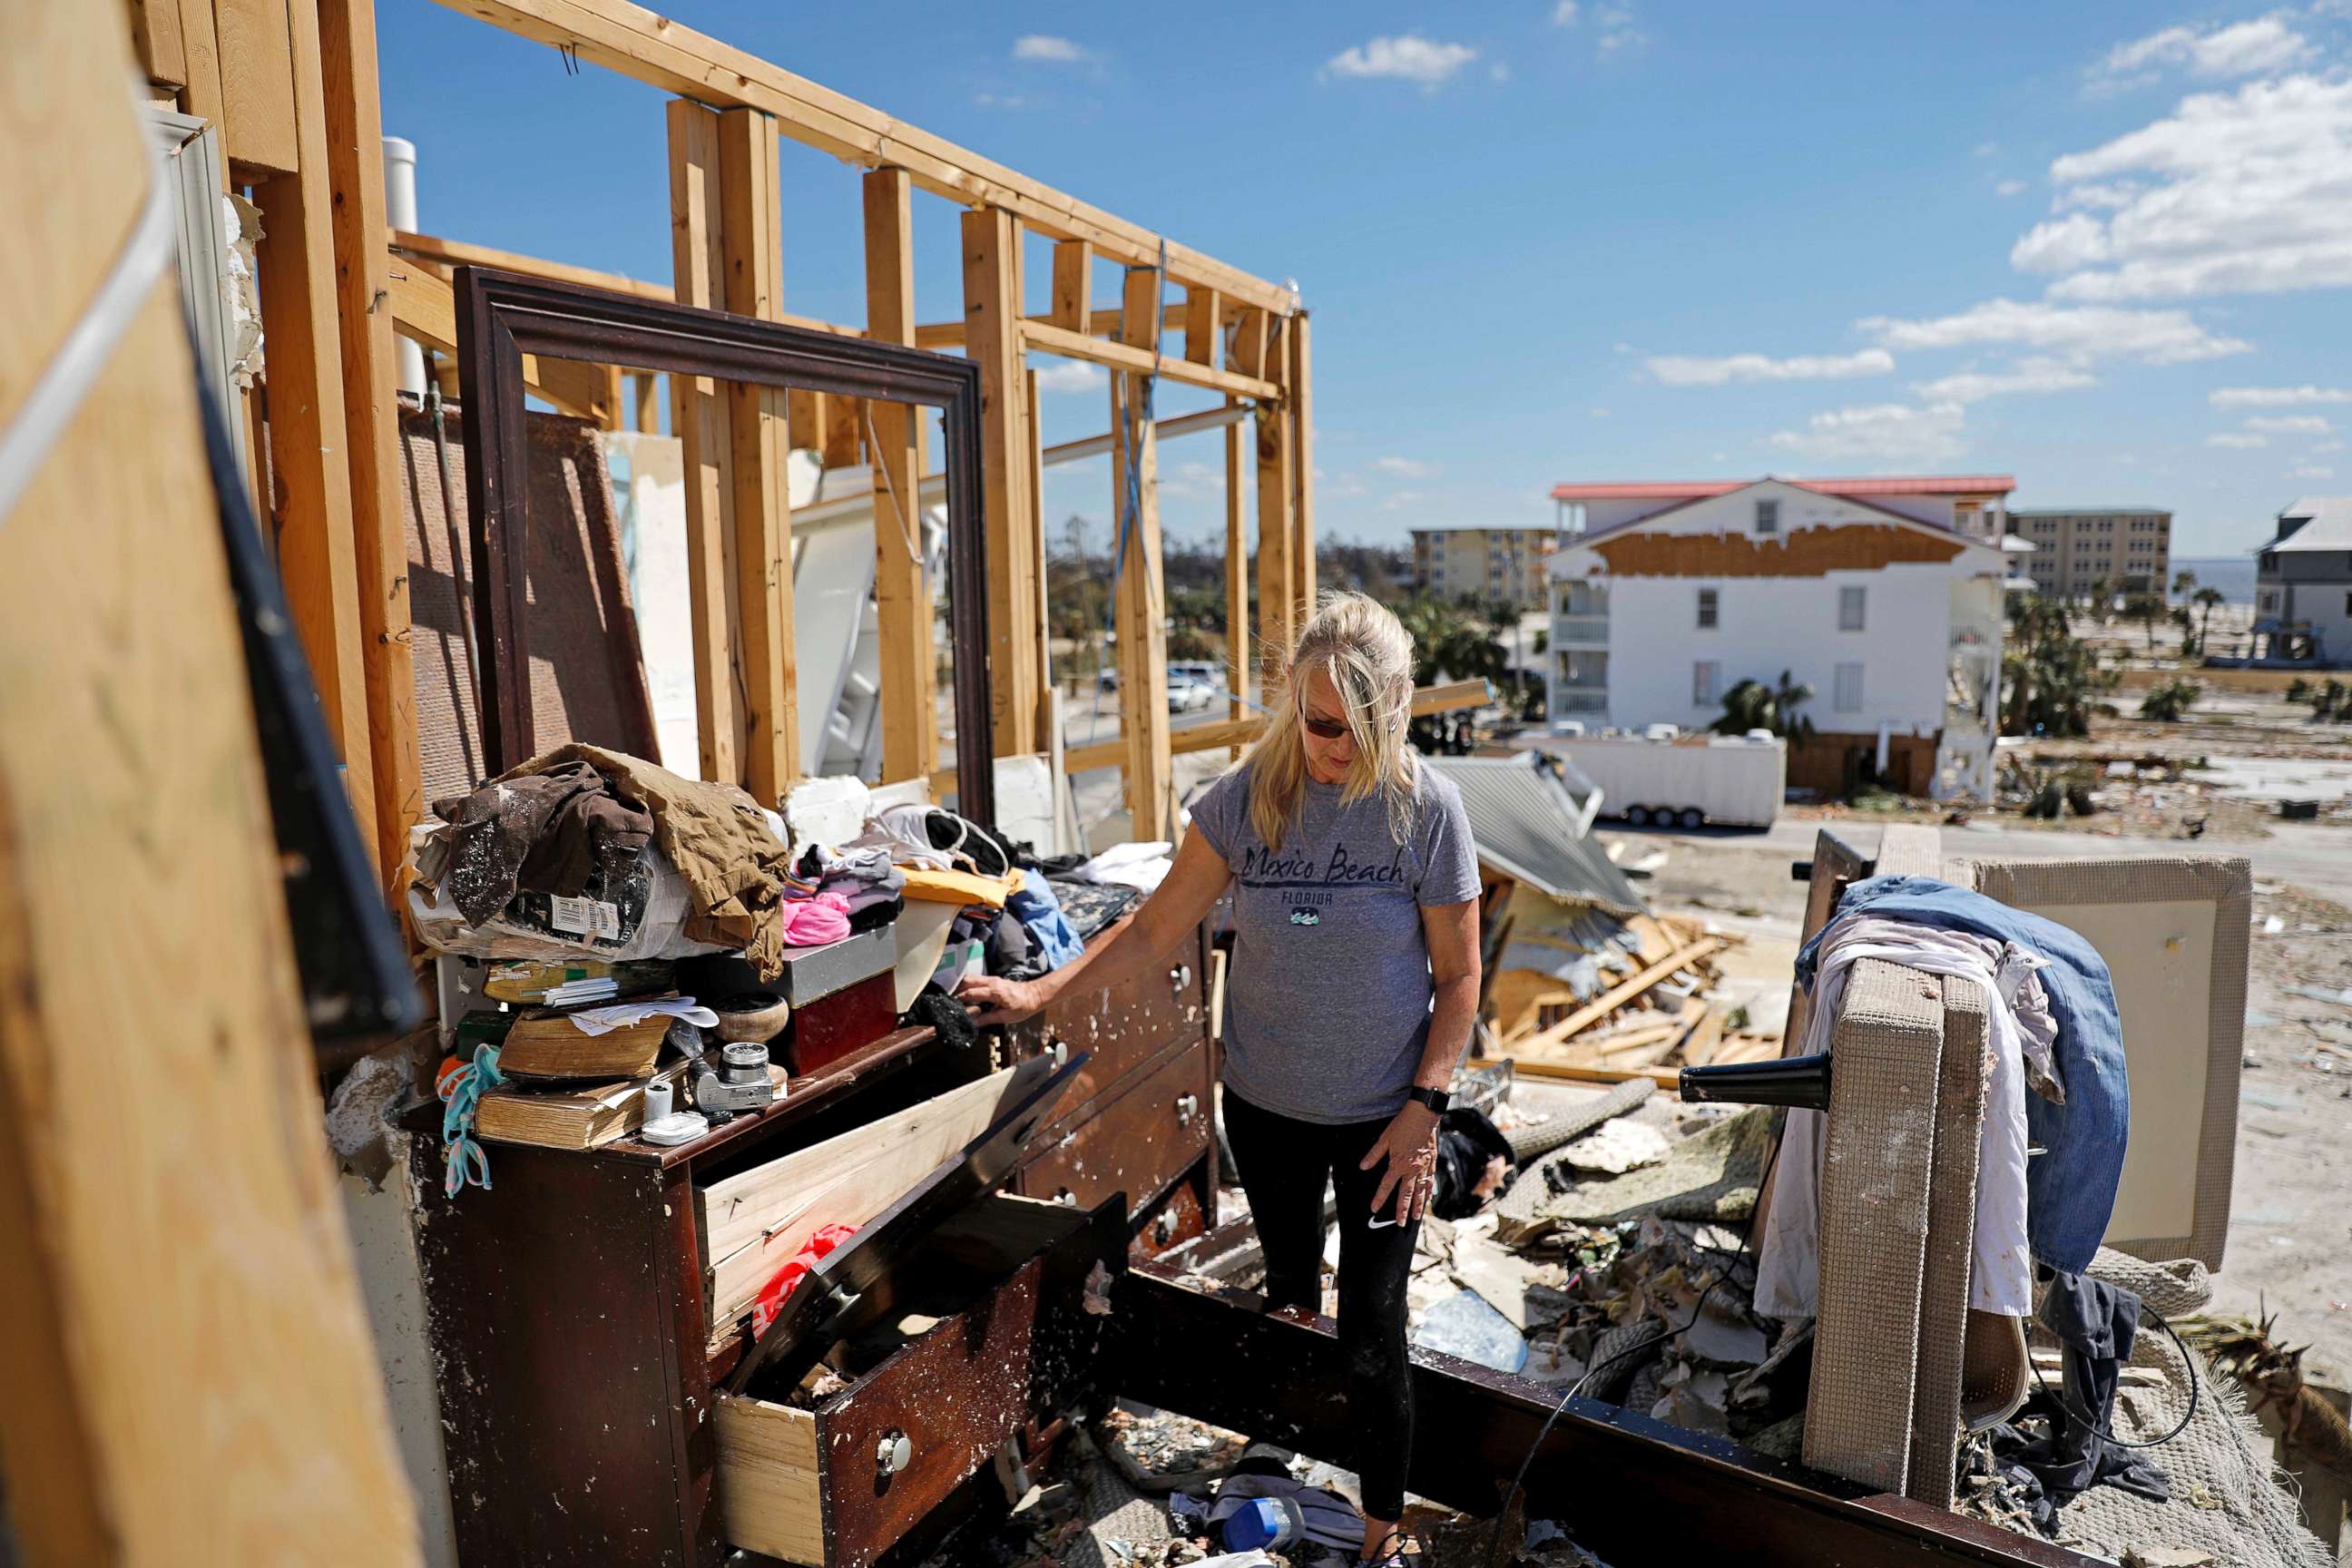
(1726, 781)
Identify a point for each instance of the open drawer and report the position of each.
(987, 1331)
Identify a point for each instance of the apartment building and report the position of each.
(1874, 596)
(2075, 548)
(1483, 563)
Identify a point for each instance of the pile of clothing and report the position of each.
(582, 852)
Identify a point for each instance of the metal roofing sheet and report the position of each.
(1528, 825)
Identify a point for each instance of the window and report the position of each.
(1849, 688)
(1768, 517)
(1707, 675)
(1849, 608)
(1709, 605)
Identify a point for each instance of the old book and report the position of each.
(549, 1045)
(567, 1118)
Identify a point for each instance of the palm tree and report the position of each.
(2183, 581)
(1752, 705)
(2205, 598)
(2147, 610)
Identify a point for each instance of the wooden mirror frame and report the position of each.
(502, 316)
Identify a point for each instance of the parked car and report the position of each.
(1186, 695)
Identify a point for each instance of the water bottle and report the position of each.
(1261, 1523)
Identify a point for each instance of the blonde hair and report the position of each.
(1369, 655)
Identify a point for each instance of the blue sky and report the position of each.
(2104, 248)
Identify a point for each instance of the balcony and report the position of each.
(1580, 631)
(1568, 700)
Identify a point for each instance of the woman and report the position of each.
(1352, 993)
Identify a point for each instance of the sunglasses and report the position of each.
(1322, 729)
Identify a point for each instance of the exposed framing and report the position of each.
(502, 316)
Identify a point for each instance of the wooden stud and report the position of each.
(805, 413)
(1298, 405)
(1051, 338)
(648, 410)
(155, 34)
(1237, 579)
(752, 256)
(1142, 600)
(844, 432)
(129, 763)
(1099, 323)
(309, 461)
(636, 42)
(1049, 735)
(698, 417)
(200, 95)
(992, 294)
(911, 741)
(1204, 322)
(258, 62)
(1074, 282)
(354, 138)
(1277, 577)
(1248, 355)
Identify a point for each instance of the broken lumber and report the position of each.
(1666, 1078)
(1618, 996)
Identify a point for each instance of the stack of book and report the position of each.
(568, 1089)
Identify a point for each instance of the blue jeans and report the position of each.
(2071, 1188)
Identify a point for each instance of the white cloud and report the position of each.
(2275, 396)
(2010, 188)
(1048, 47)
(1619, 33)
(2035, 372)
(1071, 376)
(1598, 413)
(2236, 438)
(2312, 471)
(2244, 192)
(1410, 57)
(2241, 49)
(1564, 14)
(1498, 71)
(999, 100)
(1986, 149)
(1882, 433)
(2291, 425)
(2082, 333)
(1404, 468)
(2328, 446)
(1687, 370)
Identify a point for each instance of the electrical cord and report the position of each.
(2106, 1433)
(1510, 1494)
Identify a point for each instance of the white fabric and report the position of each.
(621, 1015)
(2001, 1279)
(1143, 864)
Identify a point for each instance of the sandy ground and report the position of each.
(2289, 1244)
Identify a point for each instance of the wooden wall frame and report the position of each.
(502, 316)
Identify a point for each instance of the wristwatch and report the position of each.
(1437, 1099)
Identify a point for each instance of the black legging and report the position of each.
(1283, 1165)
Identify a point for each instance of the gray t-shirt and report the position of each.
(1327, 1007)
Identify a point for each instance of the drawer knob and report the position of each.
(1180, 978)
(894, 1452)
(1188, 1106)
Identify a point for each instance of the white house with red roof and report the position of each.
(1883, 595)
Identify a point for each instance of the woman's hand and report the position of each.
(1409, 1146)
(995, 1000)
